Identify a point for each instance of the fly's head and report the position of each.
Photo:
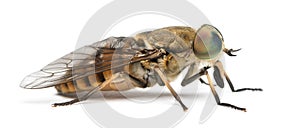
(208, 43)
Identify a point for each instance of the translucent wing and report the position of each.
(84, 61)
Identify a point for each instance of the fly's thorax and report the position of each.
(185, 33)
(172, 39)
(184, 46)
(169, 41)
(142, 40)
(176, 41)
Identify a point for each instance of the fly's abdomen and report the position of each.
(122, 82)
(83, 84)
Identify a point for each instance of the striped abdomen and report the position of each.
(123, 81)
(83, 84)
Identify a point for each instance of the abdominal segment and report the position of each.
(122, 82)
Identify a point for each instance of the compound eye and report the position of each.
(208, 42)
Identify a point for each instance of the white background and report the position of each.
(34, 33)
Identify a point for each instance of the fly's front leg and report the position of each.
(166, 82)
(223, 72)
(86, 96)
(239, 90)
(191, 71)
(230, 51)
(217, 96)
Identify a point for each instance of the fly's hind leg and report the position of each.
(166, 83)
(86, 96)
(217, 96)
(78, 99)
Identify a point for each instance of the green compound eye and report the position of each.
(208, 42)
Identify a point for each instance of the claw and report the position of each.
(236, 50)
(230, 51)
(203, 82)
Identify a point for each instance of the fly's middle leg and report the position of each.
(190, 78)
(217, 96)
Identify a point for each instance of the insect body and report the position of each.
(148, 58)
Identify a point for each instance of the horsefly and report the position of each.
(146, 59)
